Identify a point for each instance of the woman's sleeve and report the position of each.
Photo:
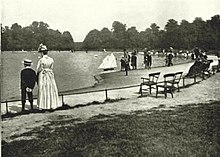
(39, 66)
(52, 63)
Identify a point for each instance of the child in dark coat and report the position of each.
(28, 79)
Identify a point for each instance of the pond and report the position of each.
(72, 70)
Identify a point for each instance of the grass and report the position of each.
(189, 130)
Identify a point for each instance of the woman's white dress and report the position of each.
(47, 88)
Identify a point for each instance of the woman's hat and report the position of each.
(27, 62)
(42, 48)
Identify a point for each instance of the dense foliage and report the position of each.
(28, 38)
(186, 35)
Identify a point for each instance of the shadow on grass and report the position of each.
(189, 130)
(64, 107)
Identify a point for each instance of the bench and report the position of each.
(149, 81)
(167, 85)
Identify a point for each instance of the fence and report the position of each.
(6, 102)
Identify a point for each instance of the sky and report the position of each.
(81, 16)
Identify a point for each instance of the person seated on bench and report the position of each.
(200, 66)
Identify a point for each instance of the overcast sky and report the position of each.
(80, 16)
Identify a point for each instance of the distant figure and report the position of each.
(196, 52)
(200, 66)
(126, 59)
(218, 55)
(169, 59)
(129, 61)
(145, 59)
(28, 79)
(134, 60)
(149, 60)
(47, 88)
(123, 64)
(192, 56)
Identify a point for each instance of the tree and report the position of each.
(199, 27)
(92, 40)
(67, 42)
(119, 35)
(187, 37)
(106, 38)
(172, 34)
(133, 38)
(29, 38)
(154, 36)
(214, 25)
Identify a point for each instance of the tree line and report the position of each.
(186, 35)
(17, 38)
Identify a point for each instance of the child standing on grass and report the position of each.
(28, 79)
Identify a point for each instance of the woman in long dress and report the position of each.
(47, 88)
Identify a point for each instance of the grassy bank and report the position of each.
(190, 130)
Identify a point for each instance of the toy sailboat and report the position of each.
(108, 63)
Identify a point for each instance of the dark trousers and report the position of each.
(170, 63)
(126, 69)
(23, 98)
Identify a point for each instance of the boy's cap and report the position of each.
(27, 62)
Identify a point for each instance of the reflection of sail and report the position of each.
(108, 63)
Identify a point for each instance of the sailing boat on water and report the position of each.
(108, 63)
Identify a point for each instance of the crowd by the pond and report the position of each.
(129, 59)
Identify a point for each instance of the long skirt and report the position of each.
(47, 90)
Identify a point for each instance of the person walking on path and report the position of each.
(134, 60)
(145, 59)
(196, 52)
(170, 58)
(28, 79)
(122, 63)
(47, 88)
(149, 60)
(126, 58)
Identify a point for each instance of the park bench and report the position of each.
(150, 81)
(178, 77)
(167, 85)
(194, 77)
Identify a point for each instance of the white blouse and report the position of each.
(45, 62)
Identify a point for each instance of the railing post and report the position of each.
(183, 82)
(6, 102)
(62, 100)
(106, 94)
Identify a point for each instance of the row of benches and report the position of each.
(171, 81)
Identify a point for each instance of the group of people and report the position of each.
(127, 61)
(130, 62)
(201, 64)
(147, 60)
(169, 57)
(44, 77)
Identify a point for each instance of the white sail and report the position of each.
(108, 62)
